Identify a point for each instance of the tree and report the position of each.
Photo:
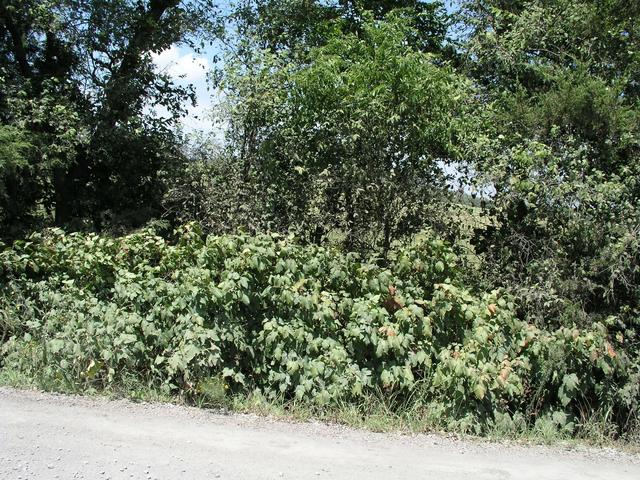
(352, 143)
(561, 151)
(295, 26)
(77, 77)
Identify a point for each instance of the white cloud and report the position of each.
(187, 68)
(166, 57)
(184, 67)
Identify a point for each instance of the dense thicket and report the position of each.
(80, 147)
(511, 130)
(303, 322)
(562, 153)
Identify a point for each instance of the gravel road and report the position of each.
(47, 436)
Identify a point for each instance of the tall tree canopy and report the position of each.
(296, 26)
(76, 80)
(561, 148)
(354, 138)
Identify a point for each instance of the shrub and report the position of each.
(235, 313)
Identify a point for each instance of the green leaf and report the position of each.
(386, 377)
(55, 345)
(568, 389)
(479, 390)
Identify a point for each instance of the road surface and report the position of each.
(45, 436)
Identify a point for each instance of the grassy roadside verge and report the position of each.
(373, 414)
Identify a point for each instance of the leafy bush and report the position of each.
(234, 313)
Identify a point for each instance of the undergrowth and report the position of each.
(266, 324)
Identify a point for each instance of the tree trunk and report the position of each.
(350, 209)
(62, 207)
(386, 241)
(121, 93)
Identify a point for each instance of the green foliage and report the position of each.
(294, 27)
(14, 149)
(352, 142)
(212, 189)
(349, 125)
(77, 80)
(207, 315)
